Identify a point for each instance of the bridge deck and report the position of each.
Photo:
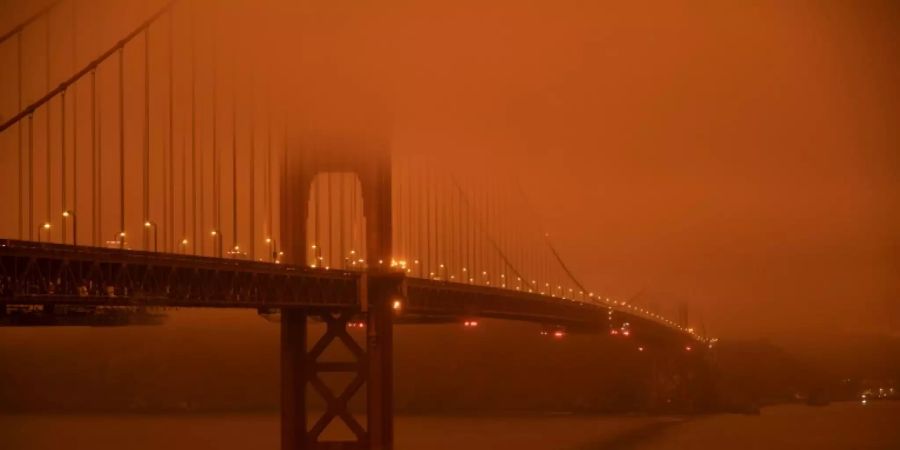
(53, 274)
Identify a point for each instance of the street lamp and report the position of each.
(44, 226)
(67, 214)
(273, 248)
(217, 242)
(122, 239)
(150, 225)
(184, 244)
(317, 255)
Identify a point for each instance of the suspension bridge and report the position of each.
(157, 171)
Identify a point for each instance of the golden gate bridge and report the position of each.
(145, 179)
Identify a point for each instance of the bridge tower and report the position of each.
(312, 152)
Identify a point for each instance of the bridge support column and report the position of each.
(293, 379)
(371, 366)
(381, 292)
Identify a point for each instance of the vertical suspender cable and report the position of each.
(416, 222)
(342, 256)
(409, 254)
(184, 230)
(407, 212)
(428, 228)
(217, 216)
(122, 147)
(440, 213)
(234, 158)
(19, 145)
(195, 225)
(146, 158)
(329, 227)
(31, 176)
(74, 121)
(422, 219)
(47, 139)
(435, 227)
(269, 226)
(461, 237)
(317, 209)
(252, 111)
(351, 252)
(436, 215)
(443, 234)
(284, 170)
(99, 169)
(396, 209)
(170, 231)
(94, 173)
(62, 161)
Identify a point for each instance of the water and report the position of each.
(839, 427)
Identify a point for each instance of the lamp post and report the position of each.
(317, 254)
(184, 244)
(45, 226)
(273, 248)
(217, 243)
(151, 225)
(121, 239)
(71, 214)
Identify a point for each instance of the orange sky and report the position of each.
(741, 157)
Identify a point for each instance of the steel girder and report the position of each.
(53, 274)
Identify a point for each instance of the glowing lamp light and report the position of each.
(46, 225)
(688, 348)
(184, 242)
(397, 305)
(558, 334)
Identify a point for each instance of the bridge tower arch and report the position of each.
(309, 154)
